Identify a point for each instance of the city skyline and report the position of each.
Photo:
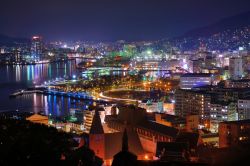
(125, 83)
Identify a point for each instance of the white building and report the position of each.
(191, 80)
(235, 68)
(220, 112)
(225, 62)
(152, 106)
(244, 109)
(2, 51)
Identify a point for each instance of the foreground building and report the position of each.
(107, 144)
(36, 118)
(124, 157)
(220, 112)
(189, 102)
(212, 104)
(234, 133)
(149, 132)
(242, 83)
(244, 108)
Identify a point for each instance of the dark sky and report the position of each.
(110, 20)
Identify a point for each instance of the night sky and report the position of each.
(109, 20)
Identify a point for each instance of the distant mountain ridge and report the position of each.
(229, 23)
(12, 41)
(227, 34)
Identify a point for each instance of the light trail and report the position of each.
(114, 98)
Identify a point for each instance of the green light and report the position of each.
(72, 119)
(149, 52)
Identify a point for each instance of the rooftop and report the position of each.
(247, 121)
(172, 118)
(197, 75)
(170, 146)
(159, 128)
(113, 143)
(242, 80)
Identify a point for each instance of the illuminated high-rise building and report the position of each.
(2, 51)
(17, 54)
(236, 68)
(36, 48)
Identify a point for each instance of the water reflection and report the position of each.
(20, 77)
(36, 73)
(49, 105)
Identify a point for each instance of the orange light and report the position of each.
(146, 157)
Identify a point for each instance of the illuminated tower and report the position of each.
(36, 48)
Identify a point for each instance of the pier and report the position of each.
(73, 95)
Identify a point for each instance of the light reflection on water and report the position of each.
(49, 105)
(38, 73)
(13, 78)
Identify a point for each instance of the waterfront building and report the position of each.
(191, 80)
(234, 133)
(36, 48)
(17, 55)
(2, 51)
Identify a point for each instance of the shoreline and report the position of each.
(35, 63)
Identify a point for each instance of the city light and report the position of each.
(125, 83)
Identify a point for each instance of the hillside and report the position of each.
(226, 34)
(12, 41)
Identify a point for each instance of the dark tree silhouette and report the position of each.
(26, 143)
